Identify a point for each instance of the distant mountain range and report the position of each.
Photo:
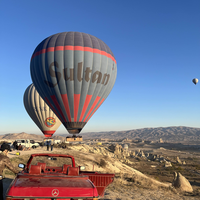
(23, 135)
(180, 134)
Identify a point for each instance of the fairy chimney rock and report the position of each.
(181, 183)
(178, 160)
(168, 164)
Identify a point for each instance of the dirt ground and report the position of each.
(125, 189)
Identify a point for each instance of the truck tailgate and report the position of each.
(101, 181)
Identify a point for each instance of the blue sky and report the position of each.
(156, 45)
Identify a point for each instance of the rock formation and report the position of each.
(132, 154)
(181, 183)
(178, 160)
(161, 141)
(168, 164)
(184, 163)
(118, 151)
(141, 154)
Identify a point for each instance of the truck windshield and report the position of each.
(51, 161)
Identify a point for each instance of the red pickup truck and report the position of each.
(55, 176)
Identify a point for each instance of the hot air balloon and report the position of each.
(195, 81)
(74, 73)
(40, 112)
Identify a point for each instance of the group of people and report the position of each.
(20, 147)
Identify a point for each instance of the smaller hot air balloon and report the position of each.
(195, 81)
(40, 112)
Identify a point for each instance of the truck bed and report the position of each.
(101, 181)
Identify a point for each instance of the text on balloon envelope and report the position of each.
(68, 74)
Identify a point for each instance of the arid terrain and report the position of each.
(143, 160)
(129, 183)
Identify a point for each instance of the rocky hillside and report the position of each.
(180, 134)
(168, 134)
(23, 135)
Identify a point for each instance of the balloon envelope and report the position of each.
(74, 73)
(40, 112)
(195, 81)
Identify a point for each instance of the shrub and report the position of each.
(102, 163)
(179, 168)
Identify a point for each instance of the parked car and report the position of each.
(27, 143)
(11, 145)
(57, 141)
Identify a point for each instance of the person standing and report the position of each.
(5, 162)
(51, 144)
(48, 145)
(15, 144)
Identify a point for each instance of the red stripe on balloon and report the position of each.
(78, 48)
(96, 108)
(38, 53)
(53, 97)
(59, 48)
(86, 103)
(93, 105)
(66, 104)
(52, 108)
(75, 48)
(69, 48)
(76, 105)
(50, 49)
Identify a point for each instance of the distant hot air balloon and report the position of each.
(195, 81)
(74, 73)
(40, 112)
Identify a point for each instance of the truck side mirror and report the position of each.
(21, 166)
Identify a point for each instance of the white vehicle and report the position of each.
(27, 143)
(57, 141)
(52, 141)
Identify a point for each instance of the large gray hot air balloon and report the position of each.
(195, 81)
(40, 112)
(74, 73)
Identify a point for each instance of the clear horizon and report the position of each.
(38, 133)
